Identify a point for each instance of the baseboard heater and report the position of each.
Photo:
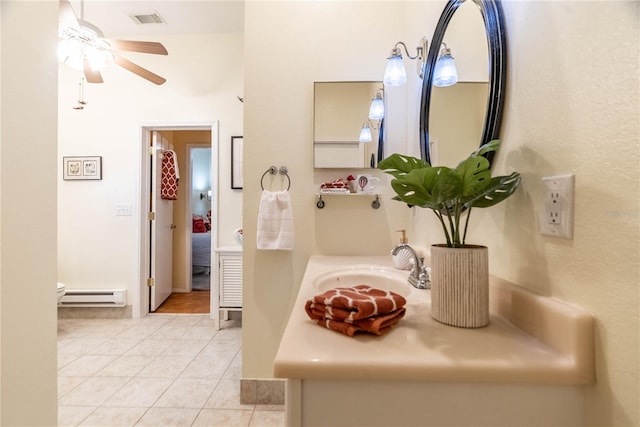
(94, 298)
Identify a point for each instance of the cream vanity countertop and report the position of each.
(557, 347)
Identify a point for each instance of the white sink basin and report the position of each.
(388, 279)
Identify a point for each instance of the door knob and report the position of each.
(173, 226)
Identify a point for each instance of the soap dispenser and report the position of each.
(403, 259)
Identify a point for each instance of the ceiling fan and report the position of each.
(82, 46)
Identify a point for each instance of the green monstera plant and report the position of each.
(450, 192)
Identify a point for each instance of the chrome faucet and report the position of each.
(419, 277)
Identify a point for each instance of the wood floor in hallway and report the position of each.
(196, 302)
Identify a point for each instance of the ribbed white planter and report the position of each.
(460, 285)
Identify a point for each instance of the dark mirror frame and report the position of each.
(492, 15)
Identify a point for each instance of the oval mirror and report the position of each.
(479, 93)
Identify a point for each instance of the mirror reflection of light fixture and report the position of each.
(445, 73)
(365, 133)
(376, 110)
(206, 195)
(376, 113)
(394, 73)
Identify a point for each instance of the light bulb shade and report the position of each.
(376, 111)
(394, 73)
(98, 59)
(84, 44)
(445, 73)
(70, 53)
(365, 134)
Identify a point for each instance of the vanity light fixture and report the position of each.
(445, 73)
(376, 111)
(365, 133)
(394, 73)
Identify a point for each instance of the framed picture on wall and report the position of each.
(81, 168)
(236, 162)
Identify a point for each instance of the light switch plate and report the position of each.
(123, 210)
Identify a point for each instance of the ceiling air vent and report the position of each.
(147, 18)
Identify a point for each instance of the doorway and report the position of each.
(201, 214)
(193, 191)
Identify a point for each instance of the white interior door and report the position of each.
(161, 230)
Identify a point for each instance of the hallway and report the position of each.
(196, 302)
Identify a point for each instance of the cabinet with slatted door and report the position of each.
(229, 283)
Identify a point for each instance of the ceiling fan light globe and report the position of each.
(82, 46)
(70, 54)
(98, 59)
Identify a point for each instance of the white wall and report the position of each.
(28, 75)
(204, 77)
(565, 113)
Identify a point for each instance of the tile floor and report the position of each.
(162, 370)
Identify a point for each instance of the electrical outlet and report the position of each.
(556, 218)
(123, 210)
(553, 206)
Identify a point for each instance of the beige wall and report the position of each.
(288, 46)
(28, 123)
(573, 110)
(570, 108)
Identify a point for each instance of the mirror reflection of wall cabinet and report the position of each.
(340, 111)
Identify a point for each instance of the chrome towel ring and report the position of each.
(272, 171)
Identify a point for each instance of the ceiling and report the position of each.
(181, 16)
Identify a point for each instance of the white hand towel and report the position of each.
(275, 221)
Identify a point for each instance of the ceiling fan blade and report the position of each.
(92, 76)
(137, 46)
(67, 18)
(136, 69)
